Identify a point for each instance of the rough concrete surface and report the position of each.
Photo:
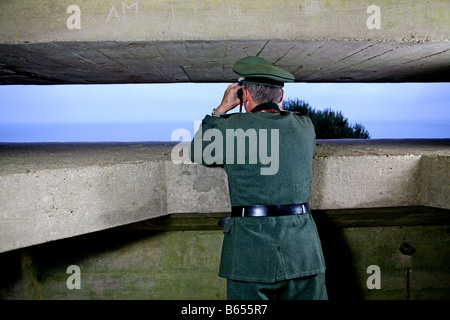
(162, 20)
(54, 191)
(136, 263)
(150, 41)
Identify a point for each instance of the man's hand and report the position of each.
(230, 99)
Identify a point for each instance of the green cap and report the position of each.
(260, 71)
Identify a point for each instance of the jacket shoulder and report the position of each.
(228, 115)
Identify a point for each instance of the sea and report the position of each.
(177, 131)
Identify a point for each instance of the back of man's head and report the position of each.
(264, 94)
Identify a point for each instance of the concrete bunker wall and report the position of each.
(141, 227)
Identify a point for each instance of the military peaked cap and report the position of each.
(260, 71)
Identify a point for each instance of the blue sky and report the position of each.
(387, 110)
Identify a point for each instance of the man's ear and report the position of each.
(282, 94)
(245, 95)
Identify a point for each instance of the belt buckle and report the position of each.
(305, 208)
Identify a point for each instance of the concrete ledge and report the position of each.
(55, 191)
(162, 20)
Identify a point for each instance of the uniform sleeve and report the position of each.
(207, 146)
(313, 133)
(311, 130)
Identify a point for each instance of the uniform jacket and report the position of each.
(268, 160)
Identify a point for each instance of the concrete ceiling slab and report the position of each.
(162, 41)
(211, 61)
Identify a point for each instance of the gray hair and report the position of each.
(263, 94)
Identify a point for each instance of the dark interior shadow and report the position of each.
(341, 276)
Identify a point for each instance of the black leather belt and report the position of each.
(270, 210)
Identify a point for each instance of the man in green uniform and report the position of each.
(271, 248)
